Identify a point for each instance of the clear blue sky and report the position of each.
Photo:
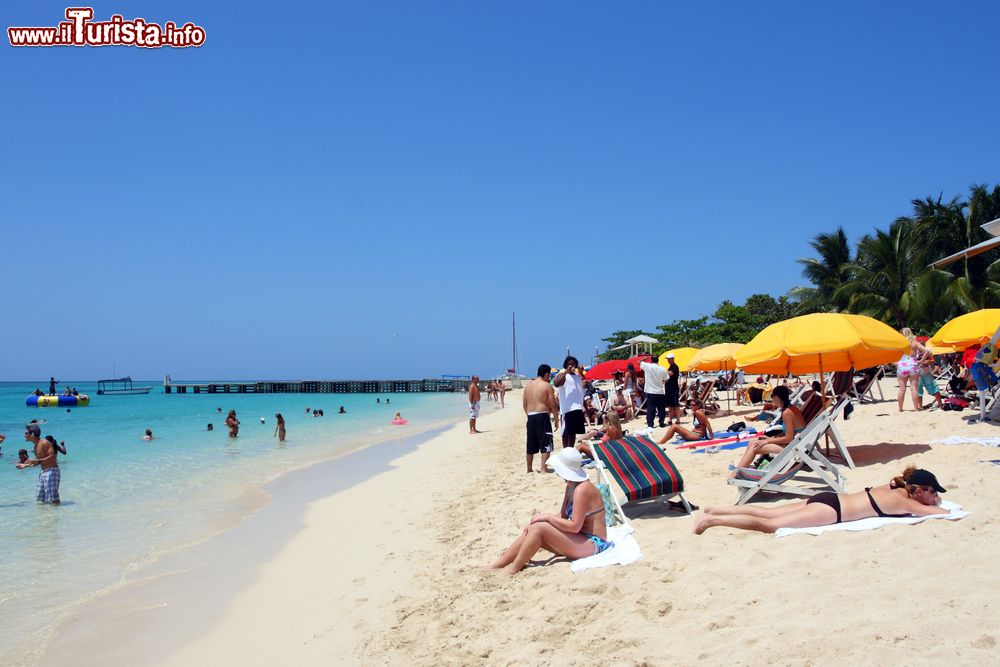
(330, 189)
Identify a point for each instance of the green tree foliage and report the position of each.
(889, 277)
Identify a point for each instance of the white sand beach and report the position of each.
(387, 571)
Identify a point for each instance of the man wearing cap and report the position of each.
(656, 399)
(47, 489)
(673, 390)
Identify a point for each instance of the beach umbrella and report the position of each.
(606, 369)
(967, 330)
(719, 357)
(682, 357)
(822, 342)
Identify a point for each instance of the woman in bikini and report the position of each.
(701, 428)
(233, 424)
(792, 423)
(579, 530)
(908, 370)
(279, 430)
(612, 431)
(914, 493)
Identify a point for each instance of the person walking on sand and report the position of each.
(279, 430)
(502, 388)
(569, 385)
(233, 424)
(47, 488)
(474, 397)
(539, 405)
(656, 399)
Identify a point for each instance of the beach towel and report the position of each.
(625, 550)
(954, 510)
(728, 436)
(966, 440)
(718, 448)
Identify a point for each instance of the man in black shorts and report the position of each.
(539, 403)
(569, 386)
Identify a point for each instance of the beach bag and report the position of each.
(954, 403)
(736, 427)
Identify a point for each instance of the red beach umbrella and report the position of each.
(606, 369)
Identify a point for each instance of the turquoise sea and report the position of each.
(126, 501)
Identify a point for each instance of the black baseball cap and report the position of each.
(923, 477)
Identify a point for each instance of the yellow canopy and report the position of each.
(968, 330)
(720, 357)
(682, 357)
(822, 342)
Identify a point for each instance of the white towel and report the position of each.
(966, 440)
(955, 512)
(626, 550)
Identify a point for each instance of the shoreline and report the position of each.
(157, 576)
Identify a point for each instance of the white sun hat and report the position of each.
(568, 464)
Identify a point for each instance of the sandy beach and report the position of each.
(387, 570)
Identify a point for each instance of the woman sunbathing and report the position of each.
(577, 532)
(701, 428)
(792, 423)
(914, 493)
(612, 430)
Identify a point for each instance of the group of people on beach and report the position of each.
(579, 530)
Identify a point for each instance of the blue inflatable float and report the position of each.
(57, 401)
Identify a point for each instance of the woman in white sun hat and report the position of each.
(579, 530)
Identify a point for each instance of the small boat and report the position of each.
(120, 387)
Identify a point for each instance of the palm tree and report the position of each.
(948, 228)
(826, 273)
(883, 279)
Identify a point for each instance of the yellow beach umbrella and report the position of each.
(720, 357)
(822, 342)
(682, 357)
(968, 330)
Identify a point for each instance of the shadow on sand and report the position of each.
(884, 452)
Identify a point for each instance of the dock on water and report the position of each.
(451, 384)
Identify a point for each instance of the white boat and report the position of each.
(120, 387)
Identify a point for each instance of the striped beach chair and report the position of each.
(641, 469)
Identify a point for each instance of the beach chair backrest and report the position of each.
(640, 467)
(841, 382)
(706, 391)
(812, 405)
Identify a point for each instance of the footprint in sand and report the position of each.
(986, 641)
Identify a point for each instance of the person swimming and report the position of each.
(210, 427)
(149, 435)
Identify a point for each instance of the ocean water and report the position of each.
(125, 501)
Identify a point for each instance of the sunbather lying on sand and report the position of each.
(701, 428)
(914, 493)
(792, 423)
(579, 530)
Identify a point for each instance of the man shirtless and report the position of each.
(47, 489)
(474, 397)
(540, 403)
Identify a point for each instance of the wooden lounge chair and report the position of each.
(641, 469)
(800, 461)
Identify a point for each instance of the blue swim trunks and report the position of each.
(47, 488)
(927, 382)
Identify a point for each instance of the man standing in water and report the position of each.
(47, 489)
(569, 385)
(474, 397)
(539, 404)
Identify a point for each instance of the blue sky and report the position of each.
(331, 189)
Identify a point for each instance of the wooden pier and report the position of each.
(318, 386)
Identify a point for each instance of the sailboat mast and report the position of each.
(513, 329)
